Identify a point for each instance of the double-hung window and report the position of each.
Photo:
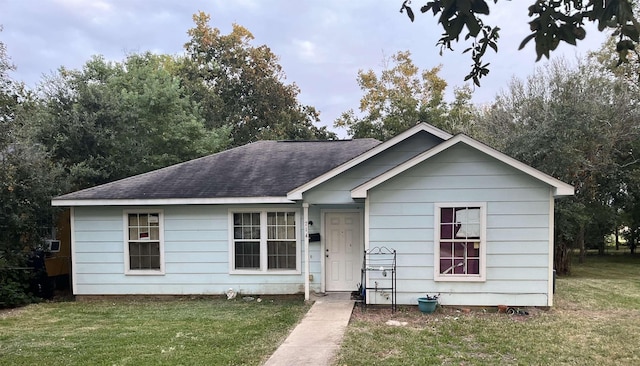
(264, 240)
(460, 242)
(144, 242)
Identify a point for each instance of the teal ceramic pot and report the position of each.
(427, 306)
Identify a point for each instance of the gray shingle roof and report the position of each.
(259, 169)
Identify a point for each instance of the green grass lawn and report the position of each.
(147, 332)
(595, 321)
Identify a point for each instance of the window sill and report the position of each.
(459, 279)
(258, 272)
(144, 273)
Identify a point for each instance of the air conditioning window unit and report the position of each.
(52, 245)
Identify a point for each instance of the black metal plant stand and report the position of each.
(379, 274)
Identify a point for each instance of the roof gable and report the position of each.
(560, 188)
(296, 194)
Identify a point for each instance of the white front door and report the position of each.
(344, 250)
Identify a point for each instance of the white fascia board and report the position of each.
(296, 194)
(169, 201)
(560, 188)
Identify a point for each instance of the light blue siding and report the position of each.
(401, 216)
(196, 255)
(338, 189)
(517, 262)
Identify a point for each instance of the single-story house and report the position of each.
(286, 217)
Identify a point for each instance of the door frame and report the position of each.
(323, 244)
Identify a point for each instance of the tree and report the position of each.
(554, 21)
(111, 120)
(395, 100)
(28, 180)
(588, 144)
(242, 86)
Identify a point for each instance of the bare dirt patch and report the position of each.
(414, 318)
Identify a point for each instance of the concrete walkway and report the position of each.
(316, 339)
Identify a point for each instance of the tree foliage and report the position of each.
(242, 86)
(552, 22)
(111, 120)
(590, 144)
(401, 96)
(28, 180)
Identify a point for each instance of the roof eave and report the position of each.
(168, 201)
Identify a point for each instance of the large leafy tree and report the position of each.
(242, 86)
(552, 22)
(28, 179)
(588, 144)
(402, 95)
(115, 119)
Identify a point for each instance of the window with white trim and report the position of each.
(460, 242)
(264, 240)
(144, 242)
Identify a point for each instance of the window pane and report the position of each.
(145, 262)
(134, 262)
(133, 220)
(445, 250)
(473, 266)
(271, 232)
(134, 248)
(291, 232)
(459, 266)
(155, 262)
(446, 231)
(446, 266)
(271, 218)
(459, 249)
(155, 233)
(154, 220)
(291, 218)
(133, 234)
(143, 219)
(237, 219)
(143, 234)
(473, 249)
(281, 255)
(154, 249)
(446, 215)
(247, 233)
(247, 255)
(255, 218)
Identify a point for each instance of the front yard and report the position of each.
(175, 332)
(595, 321)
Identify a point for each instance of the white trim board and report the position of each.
(560, 188)
(169, 201)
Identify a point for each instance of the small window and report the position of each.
(144, 247)
(459, 242)
(264, 241)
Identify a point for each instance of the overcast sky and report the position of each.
(321, 44)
